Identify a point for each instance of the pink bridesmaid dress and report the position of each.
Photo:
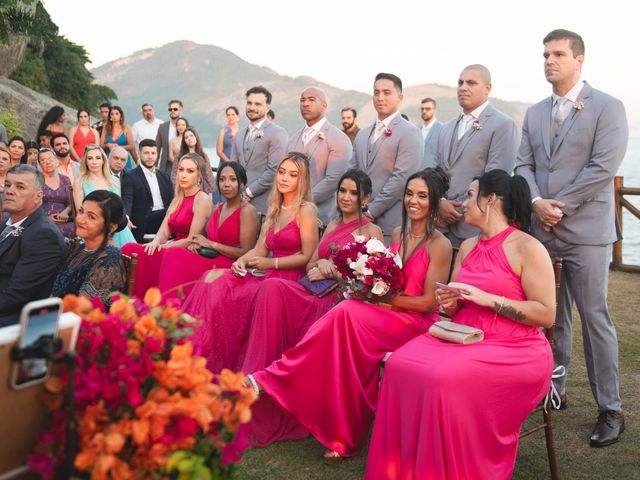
(284, 311)
(329, 381)
(148, 272)
(225, 305)
(182, 268)
(451, 411)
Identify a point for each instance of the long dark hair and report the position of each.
(50, 117)
(18, 138)
(112, 211)
(241, 174)
(109, 125)
(363, 188)
(184, 149)
(514, 193)
(437, 183)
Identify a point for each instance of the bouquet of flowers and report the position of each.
(369, 269)
(146, 407)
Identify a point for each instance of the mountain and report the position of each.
(208, 79)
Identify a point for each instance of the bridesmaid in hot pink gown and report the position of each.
(225, 305)
(329, 381)
(186, 217)
(231, 231)
(450, 411)
(284, 309)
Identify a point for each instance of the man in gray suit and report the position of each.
(259, 147)
(430, 130)
(166, 133)
(328, 149)
(573, 143)
(480, 139)
(390, 150)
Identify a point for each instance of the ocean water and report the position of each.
(630, 170)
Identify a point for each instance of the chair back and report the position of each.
(132, 270)
(72, 203)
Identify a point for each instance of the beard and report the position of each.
(63, 152)
(347, 125)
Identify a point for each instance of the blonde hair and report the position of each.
(303, 194)
(179, 194)
(84, 170)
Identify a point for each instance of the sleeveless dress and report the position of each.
(80, 141)
(283, 312)
(227, 141)
(225, 305)
(123, 236)
(329, 381)
(122, 141)
(451, 411)
(148, 273)
(55, 201)
(181, 268)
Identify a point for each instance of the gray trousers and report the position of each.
(585, 278)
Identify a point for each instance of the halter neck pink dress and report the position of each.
(329, 381)
(148, 272)
(451, 411)
(284, 311)
(182, 268)
(225, 305)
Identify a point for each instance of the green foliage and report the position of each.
(10, 121)
(32, 73)
(14, 19)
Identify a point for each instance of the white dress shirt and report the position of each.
(313, 130)
(377, 130)
(152, 180)
(142, 130)
(426, 129)
(571, 96)
(468, 118)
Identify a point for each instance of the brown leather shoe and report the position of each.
(608, 428)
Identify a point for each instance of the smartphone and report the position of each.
(38, 325)
(457, 291)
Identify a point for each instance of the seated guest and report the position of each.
(289, 234)
(146, 192)
(31, 246)
(284, 309)
(185, 218)
(17, 150)
(455, 411)
(117, 160)
(328, 382)
(95, 175)
(97, 269)
(190, 143)
(231, 231)
(32, 153)
(56, 201)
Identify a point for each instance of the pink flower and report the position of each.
(476, 125)
(388, 132)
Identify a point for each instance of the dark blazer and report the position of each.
(29, 264)
(162, 140)
(138, 202)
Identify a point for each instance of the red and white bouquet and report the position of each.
(369, 269)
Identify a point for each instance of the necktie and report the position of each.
(377, 132)
(557, 119)
(6, 232)
(464, 125)
(307, 135)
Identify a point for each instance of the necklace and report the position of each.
(416, 236)
(91, 251)
(283, 207)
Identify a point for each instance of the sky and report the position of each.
(345, 43)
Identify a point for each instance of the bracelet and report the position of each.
(276, 264)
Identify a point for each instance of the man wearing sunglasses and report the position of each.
(166, 133)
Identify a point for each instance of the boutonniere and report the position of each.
(387, 132)
(321, 135)
(16, 231)
(476, 125)
(579, 105)
(259, 134)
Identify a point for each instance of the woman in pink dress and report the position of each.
(224, 300)
(284, 309)
(450, 411)
(329, 381)
(231, 232)
(186, 217)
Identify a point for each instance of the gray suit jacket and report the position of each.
(590, 147)
(492, 146)
(389, 162)
(329, 159)
(260, 158)
(162, 139)
(431, 145)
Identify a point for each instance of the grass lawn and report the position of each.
(302, 460)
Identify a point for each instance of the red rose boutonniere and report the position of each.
(388, 132)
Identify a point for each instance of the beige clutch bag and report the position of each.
(455, 332)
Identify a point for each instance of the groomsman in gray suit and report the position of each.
(389, 151)
(573, 143)
(166, 133)
(259, 147)
(430, 130)
(480, 139)
(327, 147)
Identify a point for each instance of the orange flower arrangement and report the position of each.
(146, 406)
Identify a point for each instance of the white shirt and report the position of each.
(152, 180)
(173, 133)
(386, 122)
(468, 118)
(143, 129)
(314, 129)
(427, 128)
(572, 96)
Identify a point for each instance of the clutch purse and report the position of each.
(208, 252)
(455, 332)
(319, 288)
